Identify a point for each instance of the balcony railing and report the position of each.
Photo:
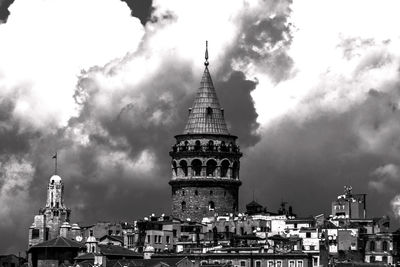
(206, 148)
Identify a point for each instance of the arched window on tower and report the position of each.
(223, 147)
(211, 205)
(174, 168)
(209, 111)
(210, 146)
(184, 168)
(197, 145)
(185, 146)
(196, 192)
(183, 205)
(211, 167)
(196, 166)
(224, 168)
(235, 170)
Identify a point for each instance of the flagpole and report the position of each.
(55, 163)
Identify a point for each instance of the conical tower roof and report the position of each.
(206, 115)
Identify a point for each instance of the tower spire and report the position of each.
(206, 115)
(206, 55)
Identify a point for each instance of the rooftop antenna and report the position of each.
(55, 163)
(206, 55)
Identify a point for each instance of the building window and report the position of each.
(196, 192)
(211, 192)
(308, 234)
(168, 239)
(35, 233)
(196, 166)
(243, 263)
(300, 263)
(211, 205)
(372, 259)
(155, 239)
(174, 168)
(148, 239)
(278, 264)
(224, 168)
(371, 245)
(183, 192)
(315, 261)
(197, 145)
(211, 167)
(216, 262)
(203, 262)
(183, 165)
(270, 264)
(312, 247)
(385, 246)
(258, 263)
(291, 264)
(210, 145)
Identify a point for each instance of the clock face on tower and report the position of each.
(78, 238)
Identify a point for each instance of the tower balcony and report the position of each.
(205, 182)
(205, 150)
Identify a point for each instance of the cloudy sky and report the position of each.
(312, 89)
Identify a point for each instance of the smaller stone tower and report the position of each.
(47, 224)
(55, 212)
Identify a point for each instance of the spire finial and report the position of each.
(55, 163)
(206, 55)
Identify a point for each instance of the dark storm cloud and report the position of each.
(141, 9)
(313, 159)
(12, 139)
(113, 156)
(4, 12)
(15, 176)
(241, 116)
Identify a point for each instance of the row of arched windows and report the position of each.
(210, 168)
(210, 146)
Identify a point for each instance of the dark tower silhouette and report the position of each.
(205, 159)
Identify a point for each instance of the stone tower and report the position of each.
(47, 224)
(205, 159)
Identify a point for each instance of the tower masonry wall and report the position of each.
(201, 202)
